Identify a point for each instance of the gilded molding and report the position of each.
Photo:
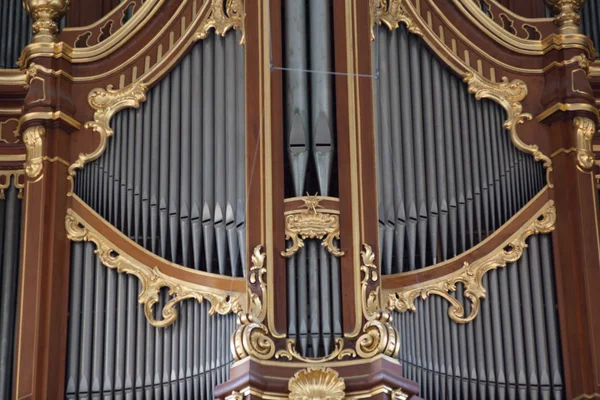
(251, 338)
(391, 13)
(222, 19)
(33, 139)
(316, 383)
(338, 353)
(107, 103)
(45, 13)
(152, 279)
(509, 95)
(584, 132)
(312, 224)
(471, 275)
(378, 335)
(5, 183)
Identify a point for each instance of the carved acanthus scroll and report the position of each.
(584, 132)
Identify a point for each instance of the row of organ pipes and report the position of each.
(313, 275)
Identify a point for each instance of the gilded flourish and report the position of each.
(584, 132)
(339, 353)
(107, 103)
(312, 224)
(18, 181)
(509, 95)
(152, 279)
(391, 13)
(471, 275)
(316, 383)
(379, 336)
(222, 19)
(33, 139)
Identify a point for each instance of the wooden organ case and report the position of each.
(271, 199)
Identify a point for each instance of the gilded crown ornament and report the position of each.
(566, 14)
(45, 13)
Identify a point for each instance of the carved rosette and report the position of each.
(46, 14)
(107, 102)
(584, 132)
(509, 95)
(391, 13)
(316, 383)
(152, 279)
(378, 335)
(312, 224)
(471, 275)
(566, 14)
(222, 19)
(33, 139)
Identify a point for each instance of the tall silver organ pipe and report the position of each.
(173, 176)
(114, 353)
(314, 305)
(590, 21)
(10, 238)
(448, 174)
(15, 32)
(448, 177)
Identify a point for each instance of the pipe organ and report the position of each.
(280, 199)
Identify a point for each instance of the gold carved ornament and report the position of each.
(33, 139)
(152, 279)
(222, 19)
(509, 95)
(391, 13)
(316, 383)
(471, 275)
(584, 132)
(312, 224)
(107, 103)
(46, 14)
(567, 14)
(251, 338)
(5, 183)
(379, 336)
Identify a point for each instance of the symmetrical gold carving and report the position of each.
(509, 95)
(379, 336)
(32, 137)
(585, 129)
(391, 13)
(567, 14)
(312, 224)
(251, 338)
(45, 13)
(152, 279)
(107, 103)
(316, 383)
(339, 353)
(222, 19)
(5, 179)
(471, 275)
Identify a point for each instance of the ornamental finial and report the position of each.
(45, 13)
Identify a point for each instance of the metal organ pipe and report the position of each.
(446, 163)
(15, 32)
(172, 179)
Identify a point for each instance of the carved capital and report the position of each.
(566, 14)
(45, 13)
(584, 132)
(32, 137)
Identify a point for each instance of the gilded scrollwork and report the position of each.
(584, 132)
(33, 139)
(106, 103)
(338, 353)
(471, 275)
(567, 14)
(17, 180)
(378, 335)
(316, 383)
(509, 95)
(222, 19)
(312, 223)
(152, 279)
(391, 13)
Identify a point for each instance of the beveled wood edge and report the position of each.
(402, 280)
(137, 252)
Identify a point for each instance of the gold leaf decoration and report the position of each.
(584, 132)
(316, 383)
(222, 19)
(152, 279)
(509, 95)
(391, 13)
(33, 139)
(339, 353)
(312, 224)
(471, 275)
